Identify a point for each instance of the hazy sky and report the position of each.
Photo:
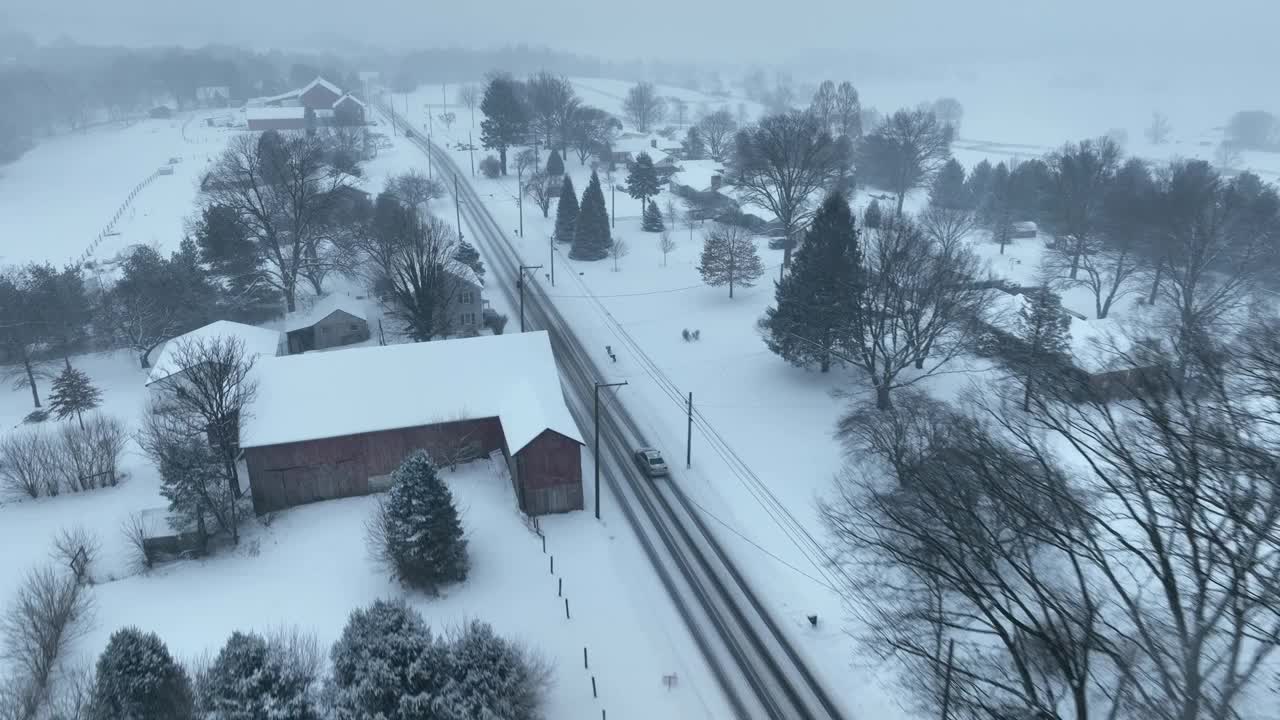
(736, 30)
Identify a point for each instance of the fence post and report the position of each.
(566, 609)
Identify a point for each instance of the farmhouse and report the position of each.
(333, 321)
(256, 343)
(332, 425)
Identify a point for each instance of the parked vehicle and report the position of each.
(651, 462)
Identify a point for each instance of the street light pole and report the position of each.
(520, 284)
(596, 448)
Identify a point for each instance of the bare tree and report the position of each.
(947, 225)
(666, 244)
(915, 308)
(643, 106)
(50, 612)
(426, 278)
(28, 464)
(729, 257)
(1079, 176)
(415, 189)
(950, 113)
(618, 250)
(718, 129)
(1159, 129)
(905, 152)
(206, 401)
(551, 102)
(539, 189)
(781, 164)
(469, 96)
(592, 130)
(846, 112)
(282, 194)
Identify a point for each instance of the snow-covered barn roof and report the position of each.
(512, 377)
(323, 308)
(293, 112)
(322, 83)
(350, 97)
(258, 343)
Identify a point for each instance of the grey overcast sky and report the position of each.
(735, 31)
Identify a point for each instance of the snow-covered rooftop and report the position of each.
(258, 342)
(276, 113)
(322, 83)
(1097, 345)
(346, 97)
(512, 377)
(323, 308)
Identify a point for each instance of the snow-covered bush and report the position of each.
(493, 677)
(89, 453)
(255, 678)
(28, 464)
(416, 531)
(386, 665)
(138, 679)
(495, 321)
(490, 167)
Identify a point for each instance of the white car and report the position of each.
(651, 462)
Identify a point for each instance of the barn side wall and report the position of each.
(549, 475)
(291, 474)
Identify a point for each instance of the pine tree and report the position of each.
(73, 394)
(642, 179)
(506, 117)
(555, 164)
(652, 221)
(979, 183)
(467, 254)
(949, 190)
(566, 211)
(729, 258)
(491, 677)
(387, 665)
(591, 239)
(997, 211)
(693, 145)
(138, 679)
(423, 534)
(252, 679)
(1044, 335)
(813, 319)
(872, 216)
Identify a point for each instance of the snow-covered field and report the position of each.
(57, 198)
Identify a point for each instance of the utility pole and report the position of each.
(520, 201)
(595, 450)
(613, 205)
(946, 687)
(520, 284)
(688, 441)
(457, 205)
(551, 239)
(471, 149)
(430, 153)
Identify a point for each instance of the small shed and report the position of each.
(332, 425)
(1025, 229)
(160, 112)
(333, 321)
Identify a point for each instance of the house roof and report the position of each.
(258, 342)
(322, 83)
(361, 390)
(293, 112)
(350, 97)
(323, 308)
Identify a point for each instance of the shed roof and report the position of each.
(512, 377)
(323, 308)
(258, 342)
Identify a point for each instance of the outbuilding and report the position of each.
(333, 321)
(336, 424)
(254, 342)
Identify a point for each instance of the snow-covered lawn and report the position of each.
(57, 198)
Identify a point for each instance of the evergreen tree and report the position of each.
(949, 190)
(469, 256)
(694, 146)
(1044, 335)
(61, 306)
(591, 238)
(642, 179)
(252, 679)
(566, 211)
(387, 665)
(137, 679)
(652, 221)
(224, 245)
(491, 677)
(555, 164)
(73, 394)
(871, 217)
(729, 257)
(421, 529)
(506, 118)
(997, 213)
(813, 317)
(979, 183)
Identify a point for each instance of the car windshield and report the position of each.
(655, 461)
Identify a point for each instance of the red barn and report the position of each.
(335, 424)
(319, 94)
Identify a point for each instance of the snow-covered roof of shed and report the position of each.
(323, 308)
(512, 377)
(258, 342)
(276, 113)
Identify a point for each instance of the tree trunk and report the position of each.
(1026, 396)
(1002, 244)
(1155, 284)
(882, 397)
(1076, 252)
(290, 296)
(825, 366)
(502, 159)
(31, 377)
(902, 197)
